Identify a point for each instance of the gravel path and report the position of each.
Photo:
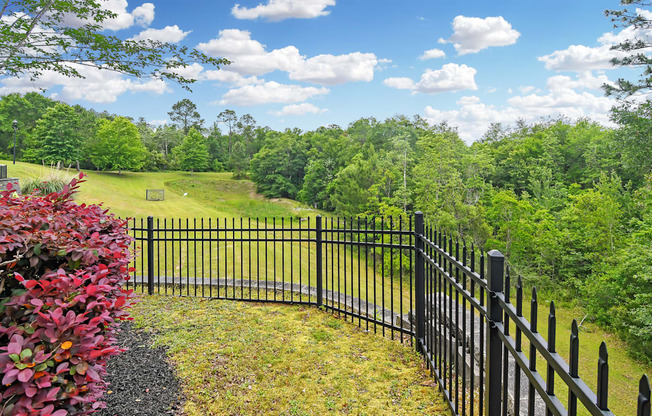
(142, 383)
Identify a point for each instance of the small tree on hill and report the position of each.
(239, 161)
(192, 153)
(117, 146)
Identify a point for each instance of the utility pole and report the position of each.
(15, 126)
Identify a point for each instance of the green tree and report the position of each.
(64, 36)
(278, 169)
(117, 146)
(634, 48)
(229, 118)
(192, 154)
(239, 161)
(27, 110)
(184, 113)
(57, 135)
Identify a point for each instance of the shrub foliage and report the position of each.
(62, 268)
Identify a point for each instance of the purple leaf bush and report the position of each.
(62, 269)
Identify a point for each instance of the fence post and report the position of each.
(496, 263)
(419, 280)
(318, 238)
(150, 255)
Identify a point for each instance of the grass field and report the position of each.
(215, 195)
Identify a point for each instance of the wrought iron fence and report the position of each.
(401, 277)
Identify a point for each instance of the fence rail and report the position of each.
(399, 277)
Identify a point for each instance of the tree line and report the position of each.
(568, 203)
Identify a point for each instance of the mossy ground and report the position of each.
(241, 358)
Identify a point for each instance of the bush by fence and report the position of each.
(62, 267)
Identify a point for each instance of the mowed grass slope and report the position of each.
(207, 194)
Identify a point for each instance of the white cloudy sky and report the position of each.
(307, 63)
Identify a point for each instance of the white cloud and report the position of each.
(401, 83)
(298, 110)
(473, 117)
(580, 58)
(526, 89)
(586, 58)
(270, 92)
(98, 86)
(250, 57)
(333, 70)
(433, 54)
(170, 34)
(451, 77)
(142, 15)
(276, 10)
(473, 34)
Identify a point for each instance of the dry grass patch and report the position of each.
(238, 358)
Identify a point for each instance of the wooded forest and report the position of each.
(569, 203)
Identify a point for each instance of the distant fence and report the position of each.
(400, 277)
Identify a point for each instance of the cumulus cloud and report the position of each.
(433, 54)
(565, 96)
(401, 83)
(142, 15)
(586, 58)
(276, 10)
(98, 86)
(171, 34)
(451, 77)
(298, 110)
(473, 34)
(580, 58)
(250, 57)
(270, 92)
(336, 69)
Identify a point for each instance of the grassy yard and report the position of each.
(240, 358)
(215, 195)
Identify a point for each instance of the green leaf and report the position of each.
(14, 357)
(25, 353)
(62, 252)
(21, 366)
(37, 249)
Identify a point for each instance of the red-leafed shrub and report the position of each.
(62, 267)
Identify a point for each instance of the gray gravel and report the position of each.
(142, 382)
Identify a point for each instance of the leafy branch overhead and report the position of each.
(634, 49)
(65, 36)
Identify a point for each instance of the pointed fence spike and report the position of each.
(534, 311)
(552, 328)
(573, 364)
(603, 378)
(643, 397)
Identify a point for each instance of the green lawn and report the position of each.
(216, 196)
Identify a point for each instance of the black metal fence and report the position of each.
(401, 277)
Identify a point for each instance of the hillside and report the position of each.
(204, 194)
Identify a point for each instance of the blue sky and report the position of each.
(308, 63)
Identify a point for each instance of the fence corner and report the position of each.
(495, 281)
(419, 280)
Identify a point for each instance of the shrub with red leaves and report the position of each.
(62, 268)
